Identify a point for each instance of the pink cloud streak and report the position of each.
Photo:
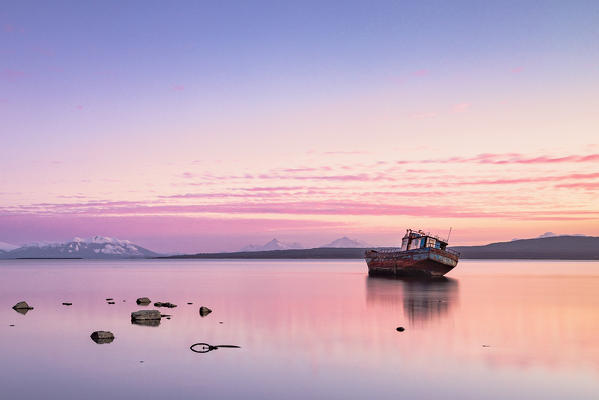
(498, 159)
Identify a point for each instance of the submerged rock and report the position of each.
(111, 302)
(67, 304)
(101, 337)
(165, 304)
(143, 301)
(143, 315)
(400, 329)
(204, 311)
(22, 305)
(109, 299)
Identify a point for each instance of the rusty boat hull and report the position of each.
(425, 262)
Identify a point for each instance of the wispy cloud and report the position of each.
(461, 107)
(423, 115)
(515, 158)
(11, 28)
(534, 179)
(592, 186)
(11, 74)
(350, 208)
(421, 72)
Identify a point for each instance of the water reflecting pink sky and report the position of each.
(307, 329)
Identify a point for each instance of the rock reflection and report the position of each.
(102, 340)
(146, 322)
(22, 310)
(422, 300)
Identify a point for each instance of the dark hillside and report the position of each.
(558, 248)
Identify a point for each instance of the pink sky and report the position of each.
(261, 123)
(198, 207)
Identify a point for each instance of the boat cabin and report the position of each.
(420, 240)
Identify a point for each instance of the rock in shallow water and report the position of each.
(204, 311)
(142, 315)
(164, 304)
(144, 301)
(101, 337)
(22, 305)
(67, 304)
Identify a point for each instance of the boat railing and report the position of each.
(387, 249)
(421, 233)
(397, 249)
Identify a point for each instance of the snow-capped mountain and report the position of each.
(4, 247)
(96, 247)
(274, 244)
(346, 243)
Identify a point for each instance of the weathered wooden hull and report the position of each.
(425, 262)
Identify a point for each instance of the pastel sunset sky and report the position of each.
(205, 126)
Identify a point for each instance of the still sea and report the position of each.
(306, 329)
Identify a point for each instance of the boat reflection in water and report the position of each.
(422, 300)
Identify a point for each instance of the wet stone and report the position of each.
(143, 301)
(143, 315)
(22, 305)
(67, 304)
(102, 337)
(164, 304)
(204, 311)
(400, 329)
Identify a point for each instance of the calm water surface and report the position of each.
(307, 329)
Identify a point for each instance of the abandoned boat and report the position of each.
(421, 254)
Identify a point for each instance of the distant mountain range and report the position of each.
(546, 248)
(5, 247)
(571, 247)
(347, 243)
(96, 247)
(276, 244)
